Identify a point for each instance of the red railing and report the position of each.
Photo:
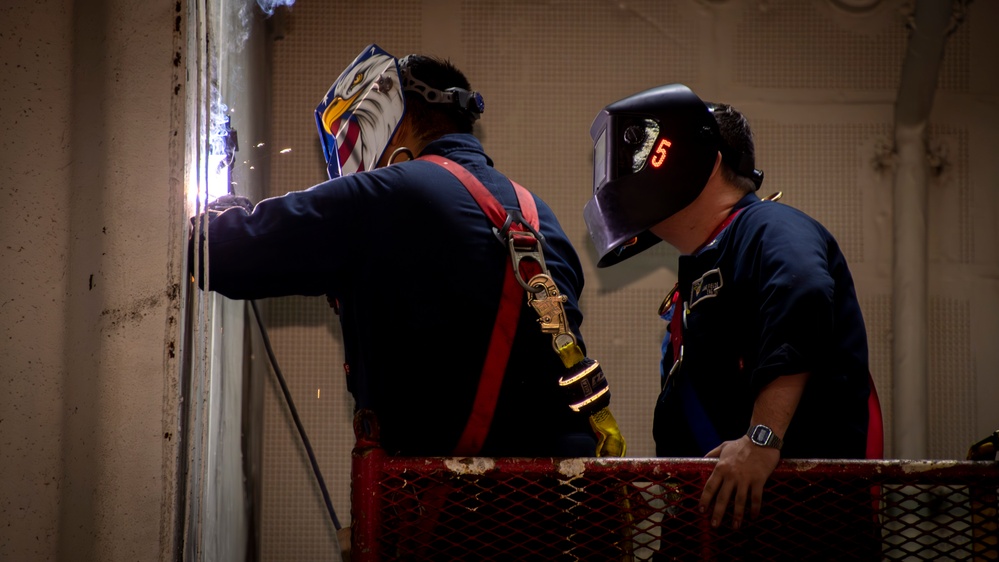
(433, 508)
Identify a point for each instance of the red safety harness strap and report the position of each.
(875, 423)
(496, 213)
(505, 326)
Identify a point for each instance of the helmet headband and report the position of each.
(469, 102)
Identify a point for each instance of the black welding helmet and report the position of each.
(653, 153)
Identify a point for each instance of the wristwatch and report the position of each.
(764, 437)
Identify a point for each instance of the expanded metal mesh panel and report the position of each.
(794, 45)
(828, 188)
(305, 335)
(951, 228)
(951, 379)
(797, 45)
(646, 509)
(955, 68)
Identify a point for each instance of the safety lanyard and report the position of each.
(505, 326)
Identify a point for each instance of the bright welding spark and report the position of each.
(285, 150)
(217, 170)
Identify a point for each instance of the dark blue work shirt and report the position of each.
(417, 272)
(771, 295)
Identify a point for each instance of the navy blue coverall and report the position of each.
(417, 272)
(772, 295)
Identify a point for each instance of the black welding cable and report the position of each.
(294, 414)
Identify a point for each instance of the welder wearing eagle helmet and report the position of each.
(397, 134)
(653, 153)
(361, 112)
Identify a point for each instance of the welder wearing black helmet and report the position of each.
(766, 351)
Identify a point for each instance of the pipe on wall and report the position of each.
(931, 23)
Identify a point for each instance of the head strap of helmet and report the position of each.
(469, 102)
(742, 163)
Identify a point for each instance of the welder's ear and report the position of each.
(404, 145)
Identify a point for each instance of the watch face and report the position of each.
(761, 435)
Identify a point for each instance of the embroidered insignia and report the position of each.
(706, 287)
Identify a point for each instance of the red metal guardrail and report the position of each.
(624, 509)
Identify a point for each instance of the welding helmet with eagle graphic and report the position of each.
(363, 108)
(653, 153)
(360, 112)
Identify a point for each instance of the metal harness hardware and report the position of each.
(523, 245)
(550, 306)
(584, 384)
(542, 293)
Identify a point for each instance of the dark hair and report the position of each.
(432, 120)
(736, 134)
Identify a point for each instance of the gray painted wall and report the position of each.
(91, 223)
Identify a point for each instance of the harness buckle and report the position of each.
(514, 216)
(549, 304)
(543, 295)
(523, 244)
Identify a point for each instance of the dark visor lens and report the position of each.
(635, 140)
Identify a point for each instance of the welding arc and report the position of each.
(294, 414)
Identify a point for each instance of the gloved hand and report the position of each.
(228, 201)
(199, 223)
(610, 442)
(217, 206)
